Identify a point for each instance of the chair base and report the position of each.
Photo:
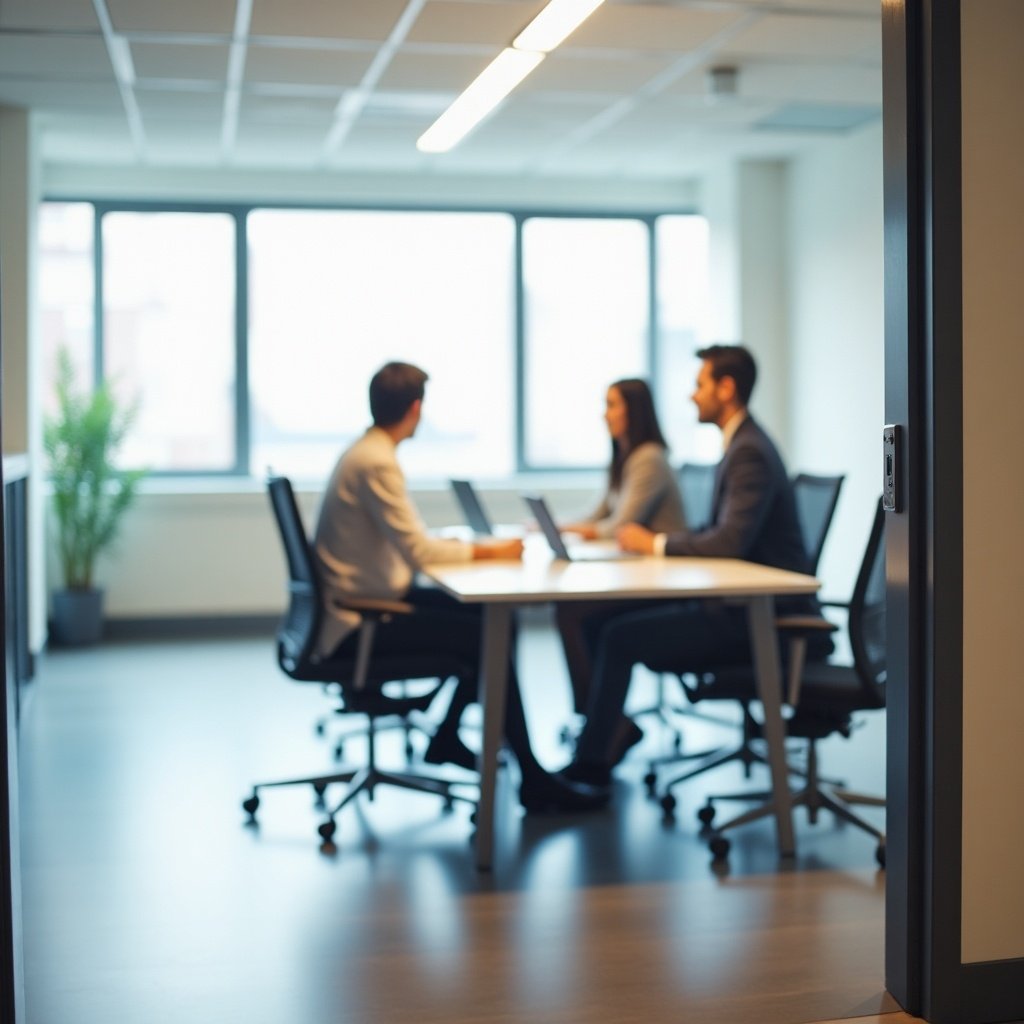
(361, 780)
(815, 796)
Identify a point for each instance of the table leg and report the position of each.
(493, 684)
(765, 645)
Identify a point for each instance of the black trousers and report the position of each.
(675, 636)
(443, 625)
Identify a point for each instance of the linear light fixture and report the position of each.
(554, 23)
(481, 96)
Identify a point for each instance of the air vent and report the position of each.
(811, 117)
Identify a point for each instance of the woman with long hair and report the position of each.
(641, 488)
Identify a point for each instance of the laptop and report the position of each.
(472, 508)
(546, 522)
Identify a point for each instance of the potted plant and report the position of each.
(90, 496)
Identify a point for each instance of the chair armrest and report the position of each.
(805, 623)
(373, 604)
(796, 629)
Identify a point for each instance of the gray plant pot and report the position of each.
(77, 617)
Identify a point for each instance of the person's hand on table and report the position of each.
(511, 548)
(636, 538)
(586, 531)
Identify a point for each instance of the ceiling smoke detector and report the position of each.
(723, 81)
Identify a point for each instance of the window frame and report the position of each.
(240, 213)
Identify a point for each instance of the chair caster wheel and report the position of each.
(706, 815)
(319, 788)
(880, 854)
(250, 805)
(319, 728)
(668, 805)
(719, 847)
(651, 781)
(327, 830)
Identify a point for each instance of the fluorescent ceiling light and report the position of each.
(482, 95)
(554, 23)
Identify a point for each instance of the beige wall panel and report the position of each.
(993, 321)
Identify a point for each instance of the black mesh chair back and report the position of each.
(867, 616)
(697, 487)
(816, 500)
(300, 626)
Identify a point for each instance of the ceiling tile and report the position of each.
(62, 59)
(274, 110)
(564, 71)
(183, 145)
(792, 35)
(439, 73)
(62, 15)
(196, 107)
(329, 19)
(305, 66)
(50, 97)
(153, 60)
(198, 17)
(494, 24)
(650, 27)
(792, 80)
(88, 141)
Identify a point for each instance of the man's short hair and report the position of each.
(393, 389)
(732, 361)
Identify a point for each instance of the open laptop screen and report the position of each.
(472, 508)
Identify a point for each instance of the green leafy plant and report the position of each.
(90, 494)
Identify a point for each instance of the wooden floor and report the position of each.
(146, 899)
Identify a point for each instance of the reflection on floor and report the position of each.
(146, 899)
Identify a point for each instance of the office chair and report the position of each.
(359, 679)
(816, 499)
(825, 697)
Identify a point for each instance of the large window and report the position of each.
(586, 323)
(247, 335)
(67, 292)
(335, 294)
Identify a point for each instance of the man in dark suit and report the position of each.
(754, 517)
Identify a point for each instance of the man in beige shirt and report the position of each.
(370, 542)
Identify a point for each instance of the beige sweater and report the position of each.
(370, 539)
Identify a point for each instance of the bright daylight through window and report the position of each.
(521, 322)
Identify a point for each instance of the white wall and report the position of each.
(217, 553)
(22, 428)
(836, 355)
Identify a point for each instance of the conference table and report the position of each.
(500, 587)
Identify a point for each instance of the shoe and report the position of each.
(627, 735)
(552, 794)
(447, 748)
(589, 773)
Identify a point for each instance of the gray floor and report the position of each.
(146, 899)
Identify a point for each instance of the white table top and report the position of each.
(538, 579)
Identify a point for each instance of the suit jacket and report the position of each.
(754, 513)
(370, 539)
